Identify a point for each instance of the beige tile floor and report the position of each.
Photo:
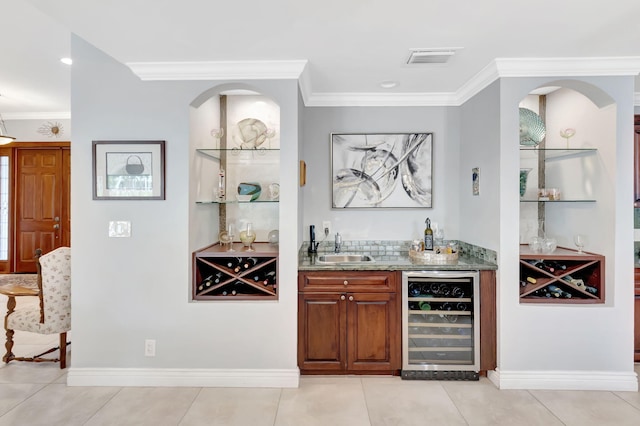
(36, 394)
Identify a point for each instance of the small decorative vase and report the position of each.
(524, 173)
(250, 188)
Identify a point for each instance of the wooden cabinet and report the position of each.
(348, 322)
(219, 274)
(564, 276)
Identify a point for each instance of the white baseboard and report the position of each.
(565, 380)
(178, 377)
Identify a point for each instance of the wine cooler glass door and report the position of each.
(440, 320)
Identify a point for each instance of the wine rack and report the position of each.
(563, 277)
(441, 325)
(219, 274)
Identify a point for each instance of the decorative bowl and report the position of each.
(250, 188)
(244, 197)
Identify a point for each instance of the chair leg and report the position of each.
(9, 347)
(63, 350)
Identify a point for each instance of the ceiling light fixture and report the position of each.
(4, 138)
(66, 61)
(431, 56)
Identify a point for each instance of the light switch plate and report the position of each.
(119, 229)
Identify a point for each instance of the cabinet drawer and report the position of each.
(370, 281)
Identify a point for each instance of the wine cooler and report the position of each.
(441, 325)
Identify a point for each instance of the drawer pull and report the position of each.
(342, 297)
(351, 298)
(345, 282)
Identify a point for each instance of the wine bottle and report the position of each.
(269, 278)
(232, 263)
(558, 292)
(249, 262)
(532, 280)
(541, 265)
(428, 236)
(591, 289)
(457, 291)
(205, 283)
(424, 306)
(217, 278)
(414, 290)
(556, 265)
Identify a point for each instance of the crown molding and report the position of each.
(297, 69)
(566, 67)
(218, 70)
(60, 115)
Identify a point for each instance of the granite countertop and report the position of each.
(391, 256)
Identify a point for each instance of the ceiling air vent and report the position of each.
(430, 56)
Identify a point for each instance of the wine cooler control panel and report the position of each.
(441, 329)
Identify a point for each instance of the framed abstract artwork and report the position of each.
(128, 170)
(381, 170)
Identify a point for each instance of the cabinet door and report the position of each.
(322, 331)
(372, 332)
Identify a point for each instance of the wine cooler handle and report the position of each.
(351, 298)
(342, 297)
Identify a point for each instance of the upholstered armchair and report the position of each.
(53, 315)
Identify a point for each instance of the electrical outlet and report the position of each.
(326, 227)
(149, 347)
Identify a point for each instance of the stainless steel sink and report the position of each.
(344, 258)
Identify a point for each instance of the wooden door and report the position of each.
(371, 332)
(321, 332)
(41, 209)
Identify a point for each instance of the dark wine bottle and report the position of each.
(558, 292)
(414, 289)
(249, 262)
(234, 263)
(269, 278)
(217, 278)
(556, 265)
(206, 283)
(540, 264)
(457, 291)
(591, 289)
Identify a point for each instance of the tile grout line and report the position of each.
(190, 407)
(364, 396)
(444, 388)
(102, 406)
(275, 418)
(619, 397)
(545, 406)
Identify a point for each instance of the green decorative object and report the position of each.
(524, 173)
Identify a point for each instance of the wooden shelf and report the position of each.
(587, 267)
(219, 274)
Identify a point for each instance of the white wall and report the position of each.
(126, 290)
(30, 130)
(565, 346)
(381, 224)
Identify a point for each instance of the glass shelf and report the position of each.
(216, 152)
(559, 153)
(236, 202)
(557, 201)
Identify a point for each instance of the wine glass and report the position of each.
(231, 232)
(579, 240)
(249, 237)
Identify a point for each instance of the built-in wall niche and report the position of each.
(568, 185)
(571, 166)
(243, 145)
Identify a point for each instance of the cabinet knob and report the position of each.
(342, 297)
(351, 298)
(345, 282)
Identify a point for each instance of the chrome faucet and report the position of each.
(338, 242)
